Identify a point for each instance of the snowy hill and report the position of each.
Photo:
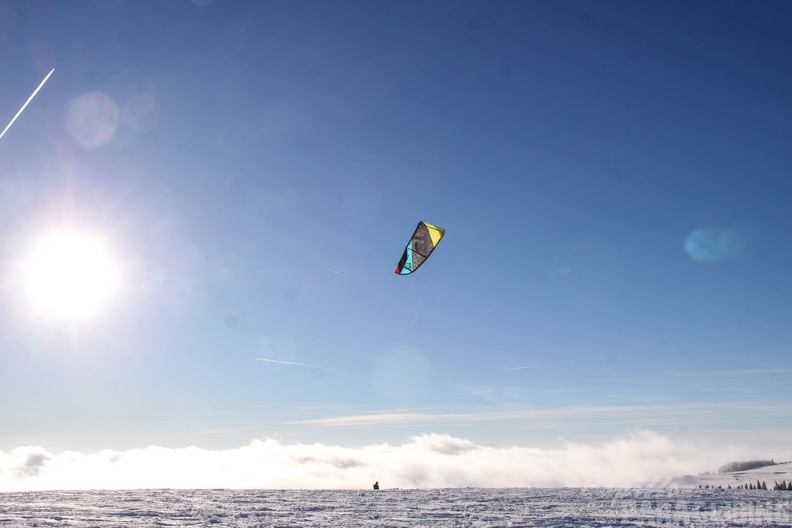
(767, 474)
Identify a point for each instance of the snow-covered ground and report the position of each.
(464, 507)
(767, 474)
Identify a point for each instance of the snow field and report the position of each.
(440, 508)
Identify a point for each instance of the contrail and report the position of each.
(302, 365)
(26, 103)
(546, 365)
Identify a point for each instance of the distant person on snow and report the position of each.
(376, 485)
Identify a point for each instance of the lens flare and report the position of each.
(714, 244)
(93, 119)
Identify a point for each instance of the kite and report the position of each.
(420, 246)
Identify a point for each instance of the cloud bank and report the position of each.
(427, 461)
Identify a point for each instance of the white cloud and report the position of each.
(636, 415)
(428, 461)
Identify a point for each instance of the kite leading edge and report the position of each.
(420, 246)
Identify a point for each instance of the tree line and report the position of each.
(745, 466)
(783, 485)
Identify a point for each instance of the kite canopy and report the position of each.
(420, 246)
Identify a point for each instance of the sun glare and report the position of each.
(69, 275)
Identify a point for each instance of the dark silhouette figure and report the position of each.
(376, 485)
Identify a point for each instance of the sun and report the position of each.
(69, 274)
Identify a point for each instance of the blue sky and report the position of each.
(613, 178)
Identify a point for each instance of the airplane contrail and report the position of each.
(545, 365)
(302, 365)
(26, 103)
